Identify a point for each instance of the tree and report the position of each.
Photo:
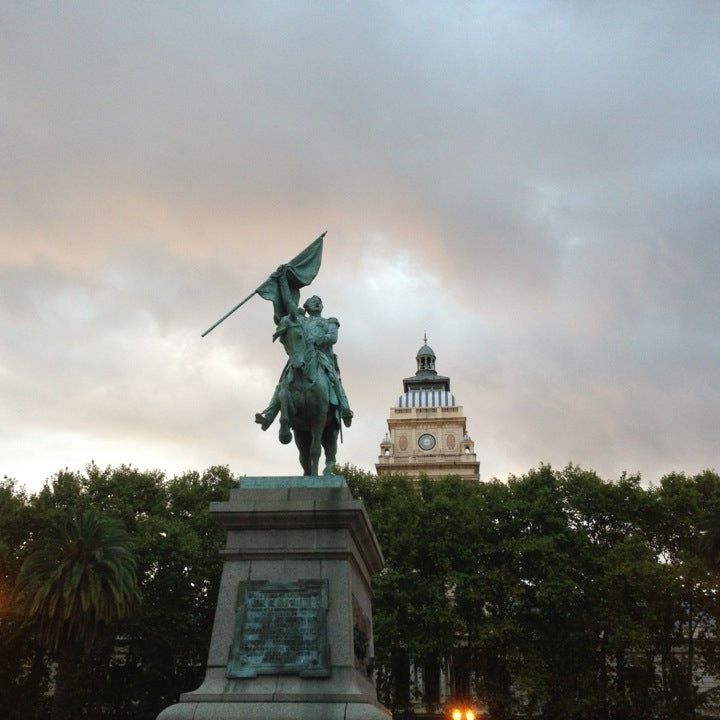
(559, 595)
(141, 663)
(165, 643)
(23, 671)
(565, 596)
(710, 539)
(78, 577)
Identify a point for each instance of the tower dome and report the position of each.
(425, 357)
(426, 377)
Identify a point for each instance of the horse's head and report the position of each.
(292, 337)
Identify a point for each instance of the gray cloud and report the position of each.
(533, 183)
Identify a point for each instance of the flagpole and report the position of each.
(240, 304)
(228, 314)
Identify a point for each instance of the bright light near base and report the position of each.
(456, 715)
(469, 715)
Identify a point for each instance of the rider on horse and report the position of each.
(322, 333)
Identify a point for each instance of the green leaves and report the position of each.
(162, 539)
(569, 596)
(79, 575)
(564, 596)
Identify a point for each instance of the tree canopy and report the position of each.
(142, 662)
(561, 595)
(555, 594)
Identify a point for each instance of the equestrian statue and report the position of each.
(309, 396)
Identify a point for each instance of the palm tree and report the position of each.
(78, 577)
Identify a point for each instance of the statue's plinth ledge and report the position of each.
(292, 481)
(289, 503)
(275, 711)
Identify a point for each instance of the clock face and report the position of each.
(426, 441)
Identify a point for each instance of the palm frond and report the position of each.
(80, 575)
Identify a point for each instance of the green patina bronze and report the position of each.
(292, 481)
(309, 397)
(280, 628)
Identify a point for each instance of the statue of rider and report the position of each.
(323, 334)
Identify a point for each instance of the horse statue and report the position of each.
(309, 397)
(305, 399)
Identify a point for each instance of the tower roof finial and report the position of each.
(425, 337)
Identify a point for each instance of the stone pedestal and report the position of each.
(292, 638)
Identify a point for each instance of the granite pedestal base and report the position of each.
(292, 638)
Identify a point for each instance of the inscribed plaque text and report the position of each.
(280, 629)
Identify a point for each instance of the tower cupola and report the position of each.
(426, 377)
(425, 358)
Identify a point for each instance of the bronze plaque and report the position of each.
(280, 629)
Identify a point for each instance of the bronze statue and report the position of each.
(309, 397)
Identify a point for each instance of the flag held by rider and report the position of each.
(299, 272)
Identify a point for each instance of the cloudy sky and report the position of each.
(535, 184)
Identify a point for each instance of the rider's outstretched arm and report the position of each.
(291, 306)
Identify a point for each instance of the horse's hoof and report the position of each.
(262, 421)
(285, 436)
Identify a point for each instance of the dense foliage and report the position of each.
(556, 595)
(142, 663)
(78, 577)
(560, 595)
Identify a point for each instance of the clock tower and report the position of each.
(427, 428)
